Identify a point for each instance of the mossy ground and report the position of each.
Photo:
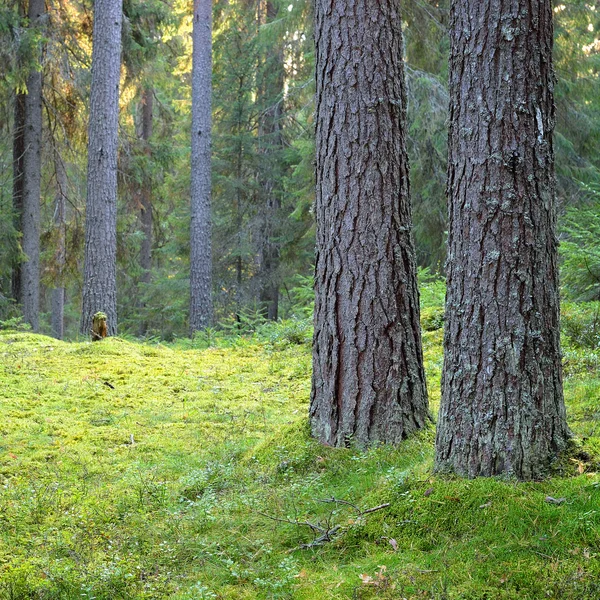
(134, 470)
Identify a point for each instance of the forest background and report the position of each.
(186, 470)
(262, 66)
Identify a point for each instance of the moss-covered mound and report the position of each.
(146, 471)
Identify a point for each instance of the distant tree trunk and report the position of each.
(99, 277)
(18, 153)
(58, 293)
(146, 197)
(201, 307)
(368, 378)
(502, 409)
(239, 208)
(271, 143)
(32, 176)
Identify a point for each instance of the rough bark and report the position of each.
(502, 408)
(32, 176)
(99, 277)
(58, 292)
(18, 153)
(201, 307)
(270, 146)
(146, 196)
(368, 380)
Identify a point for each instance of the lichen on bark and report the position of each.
(502, 409)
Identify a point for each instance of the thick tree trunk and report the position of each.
(58, 293)
(502, 408)
(368, 379)
(146, 196)
(99, 277)
(201, 307)
(18, 153)
(32, 176)
(270, 146)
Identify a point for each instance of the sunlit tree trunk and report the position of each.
(502, 408)
(368, 379)
(99, 277)
(201, 306)
(32, 176)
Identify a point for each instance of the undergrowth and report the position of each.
(186, 471)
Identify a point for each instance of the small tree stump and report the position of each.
(99, 329)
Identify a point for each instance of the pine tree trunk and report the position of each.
(58, 293)
(270, 146)
(146, 197)
(99, 277)
(502, 408)
(32, 176)
(18, 153)
(368, 378)
(201, 307)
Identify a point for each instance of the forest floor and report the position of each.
(131, 470)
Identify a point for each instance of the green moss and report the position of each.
(152, 471)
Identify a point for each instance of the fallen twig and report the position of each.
(326, 537)
(326, 530)
(359, 511)
(374, 509)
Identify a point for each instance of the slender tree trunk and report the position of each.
(58, 293)
(270, 144)
(201, 307)
(32, 176)
(99, 277)
(368, 378)
(18, 153)
(146, 197)
(239, 266)
(502, 408)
